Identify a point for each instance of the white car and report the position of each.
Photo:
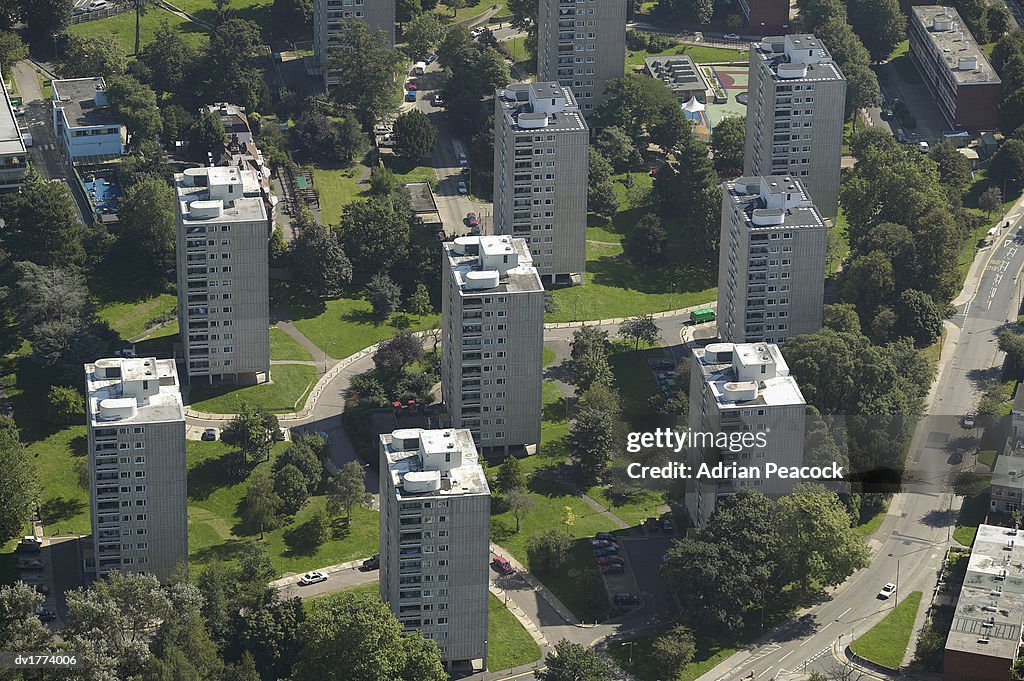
(97, 5)
(462, 188)
(314, 577)
(969, 419)
(731, 36)
(888, 590)
(476, 32)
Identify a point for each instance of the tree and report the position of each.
(991, 200)
(45, 19)
(586, 339)
(638, 105)
(261, 502)
(40, 224)
(1012, 343)
(727, 143)
(954, 168)
(347, 490)
(867, 281)
(674, 649)
(291, 17)
(697, 11)
(290, 486)
(12, 50)
(65, 405)
(573, 662)
(862, 90)
(640, 328)
(207, 136)
(591, 368)
(147, 227)
(304, 458)
(423, 33)
(365, 64)
(316, 531)
(548, 550)
(841, 317)
(18, 485)
(918, 317)
(383, 182)
(375, 233)
(134, 105)
(355, 637)
(1007, 165)
(601, 199)
(316, 258)
(647, 244)
(384, 295)
(616, 145)
(990, 406)
(168, 58)
(518, 503)
(970, 484)
(510, 476)
(20, 629)
(880, 24)
(414, 135)
(419, 302)
(689, 197)
(396, 353)
(253, 431)
(591, 443)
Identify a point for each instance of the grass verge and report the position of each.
(286, 392)
(886, 642)
(508, 643)
(284, 347)
(635, 657)
(130, 318)
(972, 513)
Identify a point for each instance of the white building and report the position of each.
(737, 388)
(541, 146)
(137, 474)
(13, 155)
(771, 270)
(435, 540)
(83, 122)
(492, 341)
(223, 279)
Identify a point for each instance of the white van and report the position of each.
(418, 68)
(26, 137)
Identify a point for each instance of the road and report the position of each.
(914, 536)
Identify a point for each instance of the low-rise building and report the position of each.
(959, 76)
(681, 75)
(435, 532)
(138, 497)
(985, 635)
(1007, 492)
(234, 120)
(13, 155)
(84, 122)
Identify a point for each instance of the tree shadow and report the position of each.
(224, 551)
(549, 486)
(213, 474)
(982, 377)
(364, 317)
(937, 518)
(301, 540)
(560, 372)
(58, 509)
(617, 271)
(501, 531)
(288, 301)
(554, 412)
(79, 445)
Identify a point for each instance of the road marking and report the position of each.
(766, 671)
(785, 656)
(843, 613)
(825, 627)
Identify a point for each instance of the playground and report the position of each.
(728, 80)
(103, 192)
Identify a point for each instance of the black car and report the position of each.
(372, 563)
(626, 598)
(430, 58)
(652, 524)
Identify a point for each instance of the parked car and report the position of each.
(602, 543)
(463, 189)
(923, 147)
(472, 220)
(477, 32)
(34, 564)
(626, 598)
(411, 85)
(436, 100)
(886, 114)
(611, 560)
(613, 569)
(463, 161)
(652, 525)
(209, 435)
(78, 10)
(125, 352)
(97, 5)
(731, 36)
(888, 590)
(410, 95)
(604, 535)
(606, 551)
(40, 588)
(666, 524)
(970, 418)
(502, 565)
(313, 577)
(45, 615)
(372, 563)
(30, 544)
(19, 111)
(430, 58)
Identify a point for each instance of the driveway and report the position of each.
(644, 559)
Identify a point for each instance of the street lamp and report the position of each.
(1005, 180)
(55, 49)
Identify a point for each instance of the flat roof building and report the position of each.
(137, 474)
(541, 148)
(681, 75)
(84, 123)
(235, 122)
(223, 281)
(985, 635)
(582, 45)
(1007, 487)
(435, 533)
(328, 16)
(743, 388)
(492, 341)
(766, 16)
(956, 71)
(795, 116)
(771, 270)
(13, 155)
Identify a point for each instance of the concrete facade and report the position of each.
(736, 388)
(223, 282)
(795, 116)
(771, 271)
(956, 71)
(492, 340)
(13, 155)
(582, 45)
(435, 532)
(83, 122)
(1007, 492)
(328, 16)
(137, 474)
(541, 150)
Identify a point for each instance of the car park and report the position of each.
(602, 543)
(613, 569)
(626, 598)
(209, 435)
(30, 544)
(604, 535)
(969, 419)
(606, 551)
(436, 100)
(502, 565)
(372, 563)
(888, 590)
(45, 615)
(33, 565)
(313, 577)
(430, 58)
(666, 524)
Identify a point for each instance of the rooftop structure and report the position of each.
(681, 75)
(234, 120)
(423, 205)
(83, 121)
(13, 155)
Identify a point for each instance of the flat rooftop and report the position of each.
(520, 279)
(10, 134)
(746, 197)
(161, 407)
(77, 97)
(465, 480)
(248, 205)
(422, 197)
(1009, 470)
(678, 72)
(520, 115)
(782, 390)
(990, 609)
(771, 51)
(951, 39)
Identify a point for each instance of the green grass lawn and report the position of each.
(64, 503)
(548, 356)
(633, 377)
(701, 54)
(886, 642)
(508, 643)
(554, 426)
(472, 9)
(987, 457)
(122, 28)
(284, 347)
(905, 67)
(634, 508)
(337, 187)
(286, 392)
(972, 514)
(603, 234)
(216, 528)
(635, 657)
(130, 318)
(205, 10)
(871, 525)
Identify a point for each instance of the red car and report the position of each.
(612, 569)
(411, 85)
(502, 565)
(472, 220)
(610, 560)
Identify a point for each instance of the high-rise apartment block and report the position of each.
(328, 16)
(743, 388)
(795, 116)
(492, 326)
(582, 45)
(771, 269)
(435, 532)
(137, 474)
(223, 283)
(541, 145)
